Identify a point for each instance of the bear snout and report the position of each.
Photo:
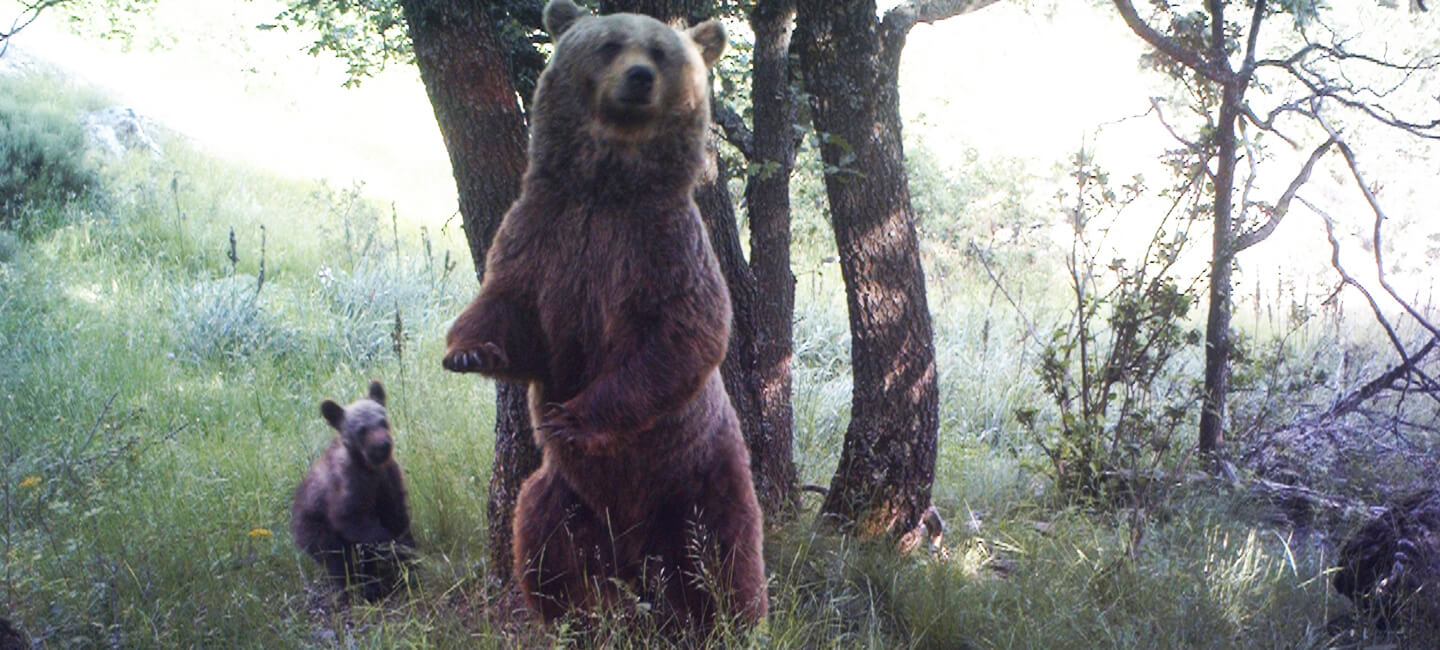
(378, 446)
(638, 84)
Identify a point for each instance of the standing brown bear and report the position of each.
(601, 290)
(350, 512)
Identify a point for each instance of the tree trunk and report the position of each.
(887, 465)
(464, 69)
(1217, 324)
(764, 409)
(767, 193)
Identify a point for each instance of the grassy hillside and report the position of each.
(169, 325)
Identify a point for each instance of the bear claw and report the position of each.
(562, 427)
(487, 358)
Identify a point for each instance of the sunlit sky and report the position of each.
(1033, 81)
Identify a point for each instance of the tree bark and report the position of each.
(464, 69)
(759, 389)
(767, 193)
(887, 465)
(1222, 256)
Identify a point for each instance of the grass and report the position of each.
(158, 392)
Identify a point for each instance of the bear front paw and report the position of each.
(486, 359)
(561, 427)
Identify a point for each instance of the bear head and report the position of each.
(624, 82)
(363, 426)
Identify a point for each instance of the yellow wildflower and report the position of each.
(257, 533)
(29, 482)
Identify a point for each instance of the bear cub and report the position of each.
(350, 512)
(602, 292)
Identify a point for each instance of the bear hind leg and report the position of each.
(560, 550)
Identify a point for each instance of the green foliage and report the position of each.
(977, 202)
(119, 20)
(1112, 380)
(45, 172)
(809, 207)
(365, 35)
(226, 319)
(369, 35)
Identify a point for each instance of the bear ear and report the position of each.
(559, 16)
(334, 413)
(710, 36)
(377, 392)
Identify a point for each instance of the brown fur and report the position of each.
(1390, 567)
(602, 292)
(350, 512)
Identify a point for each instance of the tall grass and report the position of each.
(158, 404)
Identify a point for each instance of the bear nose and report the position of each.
(379, 450)
(639, 81)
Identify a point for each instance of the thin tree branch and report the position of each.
(1256, 18)
(906, 15)
(1379, 221)
(1323, 85)
(1189, 58)
(976, 252)
(1252, 163)
(1385, 381)
(1341, 54)
(733, 126)
(1217, 33)
(1406, 359)
(29, 11)
(896, 24)
(1347, 279)
(1277, 213)
(1192, 147)
(1268, 124)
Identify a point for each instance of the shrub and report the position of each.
(224, 319)
(1109, 369)
(366, 301)
(43, 161)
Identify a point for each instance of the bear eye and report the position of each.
(657, 55)
(610, 50)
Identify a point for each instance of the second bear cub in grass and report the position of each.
(350, 512)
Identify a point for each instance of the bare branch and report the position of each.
(1248, 239)
(1191, 146)
(1339, 53)
(1385, 381)
(1248, 67)
(1217, 30)
(29, 11)
(1189, 58)
(907, 14)
(1251, 162)
(1347, 279)
(733, 126)
(1268, 124)
(1379, 221)
(975, 252)
(1365, 99)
